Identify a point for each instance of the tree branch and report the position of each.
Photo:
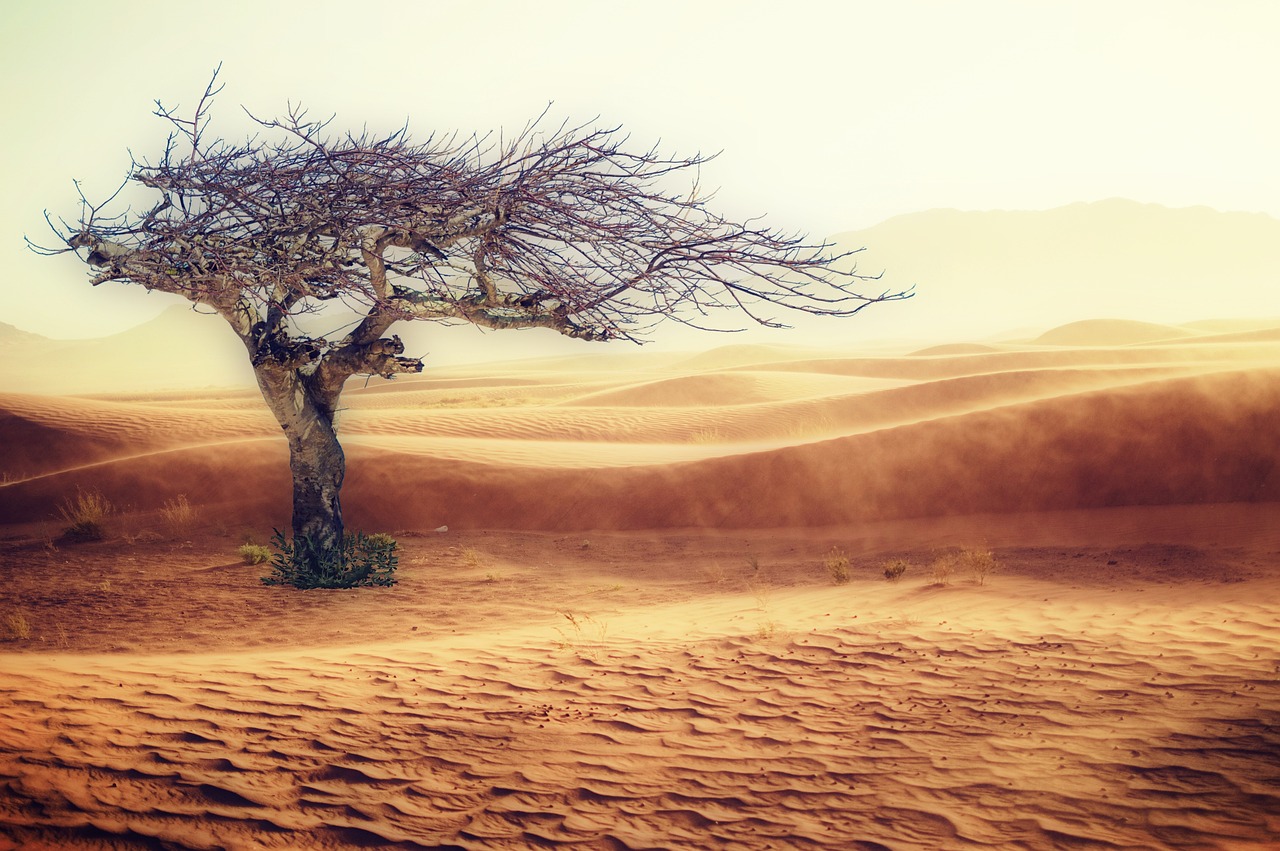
(380, 357)
(566, 228)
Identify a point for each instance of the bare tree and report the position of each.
(562, 228)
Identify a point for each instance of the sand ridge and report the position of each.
(628, 636)
(806, 441)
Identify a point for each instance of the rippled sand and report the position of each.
(629, 637)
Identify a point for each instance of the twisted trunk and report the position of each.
(316, 462)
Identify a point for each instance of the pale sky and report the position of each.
(831, 116)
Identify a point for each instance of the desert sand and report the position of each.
(616, 624)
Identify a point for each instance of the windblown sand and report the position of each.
(628, 636)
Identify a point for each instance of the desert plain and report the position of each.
(642, 603)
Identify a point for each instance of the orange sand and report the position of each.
(1115, 684)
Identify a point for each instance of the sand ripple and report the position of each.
(830, 738)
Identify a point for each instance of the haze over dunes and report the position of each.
(629, 636)
(983, 273)
(741, 437)
(618, 623)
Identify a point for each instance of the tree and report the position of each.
(562, 228)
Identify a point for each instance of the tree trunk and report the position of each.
(315, 457)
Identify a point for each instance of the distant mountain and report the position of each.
(983, 273)
(11, 335)
(179, 349)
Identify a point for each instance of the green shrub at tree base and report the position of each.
(360, 560)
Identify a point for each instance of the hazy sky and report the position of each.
(831, 116)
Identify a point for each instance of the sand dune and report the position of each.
(1110, 332)
(1114, 684)
(789, 442)
(48, 433)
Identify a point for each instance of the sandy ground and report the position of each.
(629, 636)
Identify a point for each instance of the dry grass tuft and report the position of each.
(715, 573)
(85, 515)
(837, 564)
(16, 626)
(584, 635)
(766, 629)
(255, 553)
(766, 626)
(178, 514)
(705, 436)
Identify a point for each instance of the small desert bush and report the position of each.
(979, 563)
(359, 560)
(837, 564)
(85, 515)
(178, 514)
(17, 626)
(255, 553)
(894, 569)
(944, 564)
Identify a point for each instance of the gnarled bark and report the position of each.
(316, 460)
(302, 381)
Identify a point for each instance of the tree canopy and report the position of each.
(559, 226)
